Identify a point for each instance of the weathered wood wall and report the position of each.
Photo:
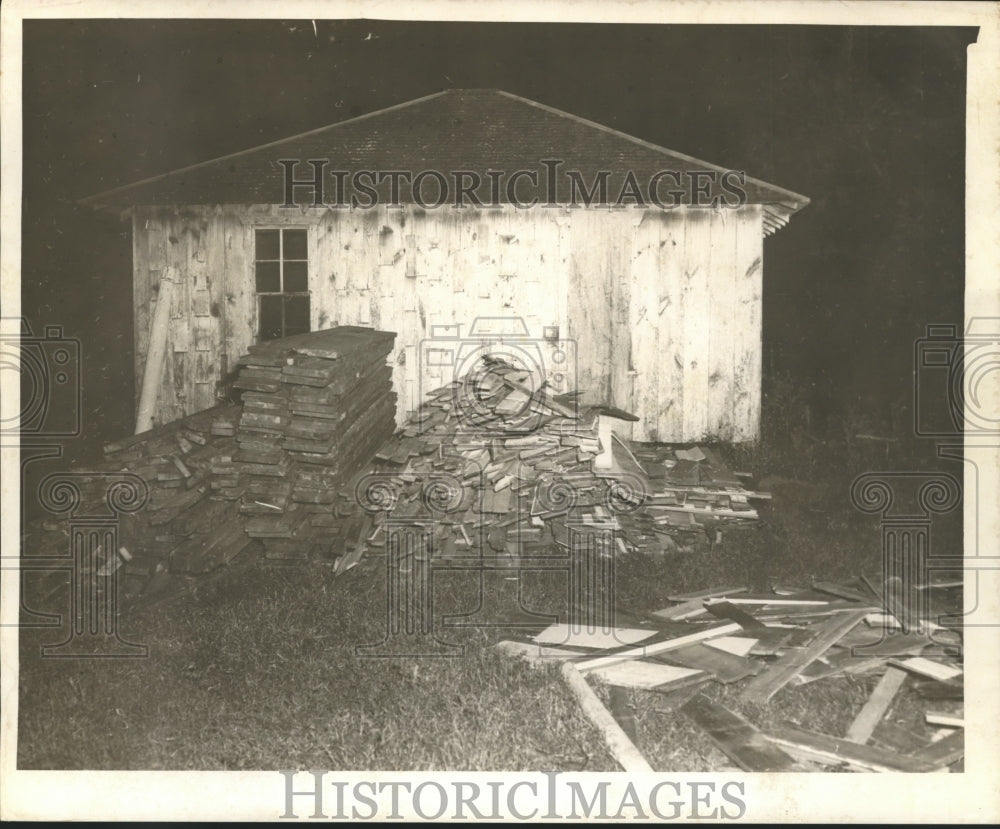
(664, 307)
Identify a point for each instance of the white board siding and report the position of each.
(663, 306)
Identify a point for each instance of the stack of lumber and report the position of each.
(189, 523)
(261, 475)
(760, 644)
(316, 407)
(525, 463)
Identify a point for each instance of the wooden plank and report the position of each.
(933, 689)
(725, 667)
(929, 668)
(710, 593)
(619, 242)
(841, 591)
(825, 748)
(562, 634)
(536, 654)
(766, 685)
(685, 610)
(747, 345)
(694, 296)
(617, 741)
(659, 647)
(152, 376)
(725, 610)
(670, 311)
(877, 705)
(945, 720)
(241, 304)
(896, 738)
(942, 753)
(723, 320)
(644, 272)
(736, 645)
(647, 675)
(623, 711)
(740, 740)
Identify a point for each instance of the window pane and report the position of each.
(296, 277)
(268, 277)
(296, 315)
(270, 317)
(267, 245)
(296, 246)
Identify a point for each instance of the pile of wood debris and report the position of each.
(188, 525)
(280, 472)
(762, 644)
(524, 467)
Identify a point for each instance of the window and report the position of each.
(281, 271)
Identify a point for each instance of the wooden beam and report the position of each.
(944, 720)
(826, 749)
(942, 753)
(617, 741)
(658, 647)
(741, 741)
(878, 703)
(764, 686)
(711, 593)
(155, 354)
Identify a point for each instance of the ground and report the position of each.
(256, 668)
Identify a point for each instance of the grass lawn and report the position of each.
(256, 668)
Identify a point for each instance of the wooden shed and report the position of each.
(469, 221)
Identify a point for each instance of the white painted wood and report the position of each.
(656, 303)
(157, 351)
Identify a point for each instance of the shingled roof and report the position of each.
(476, 130)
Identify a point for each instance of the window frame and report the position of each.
(281, 261)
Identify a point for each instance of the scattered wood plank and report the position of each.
(826, 749)
(623, 711)
(741, 741)
(944, 720)
(563, 634)
(685, 610)
(648, 675)
(711, 593)
(725, 667)
(894, 737)
(936, 690)
(765, 685)
(929, 668)
(943, 753)
(726, 610)
(841, 591)
(736, 645)
(658, 647)
(877, 705)
(536, 654)
(617, 741)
